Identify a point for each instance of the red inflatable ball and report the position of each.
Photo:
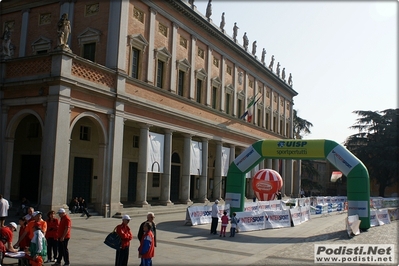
(266, 183)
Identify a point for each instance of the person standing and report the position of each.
(123, 230)
(52, 236)
(37, 251)
(147, 246)
(215, 217)
(234, 223)
(64, 234)
(225, 222)
(4, 206)
(150, 219)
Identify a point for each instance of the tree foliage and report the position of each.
(376, 145)
(301, 126)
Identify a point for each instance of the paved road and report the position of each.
(179, 244)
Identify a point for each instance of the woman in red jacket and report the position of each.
(52, 236)
(123, 230)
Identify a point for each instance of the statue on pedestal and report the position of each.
(283, 74)
(290, 80)
(6, 43)
(278, 69)
(254, 48)
(271, 63)
(263, 56)
(235, 32)
(64, 29)
(222, 22)
(245, 41)
(209, 10)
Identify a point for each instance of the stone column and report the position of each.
(283, 173)
(288, 179)
(141, 190)
(203, 186)
(269, 163)
(217, 179)
(232, 153)
(24, 32)
(166, 175)
(101, 189)
(117, 128)
(185, 179)
(235, 76)
(55, 149)
(3, 154)
(271, 110)
(222, 88)
(278, 115)
(297, 179)
(151, 38)
(173, 71)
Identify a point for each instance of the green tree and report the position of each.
(376, 145)
(301, 126)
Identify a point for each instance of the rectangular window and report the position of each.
(274, 124)
(214, 97)
(181, 83)
(239, 108)
(84, 133)
(160, 74)
(89, 51)
(135, 63)
(199, 88)
(228, 96)
(155, 179)
(267, 121)
(136, 141)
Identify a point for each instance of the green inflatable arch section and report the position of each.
(358, 183)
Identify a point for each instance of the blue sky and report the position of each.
(342, 55)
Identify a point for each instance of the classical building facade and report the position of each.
(83, 93)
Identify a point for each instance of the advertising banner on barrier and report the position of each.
(296, 215)
(202, 214)
(277, 219)
(305, 214)
(373, 218)
(274, 205)
(250, 221)
(383, 216)
(251, 207)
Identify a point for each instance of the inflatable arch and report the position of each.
(358, 183)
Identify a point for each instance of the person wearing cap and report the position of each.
(29, 230)
(123, 230)
(215, 217)
(64, 234)
(150, 219)
(6, 234)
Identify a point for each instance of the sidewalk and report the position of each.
(179, 244)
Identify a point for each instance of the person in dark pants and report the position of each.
(215, 217)
(52, 236)
(122, 253)
(64, 234)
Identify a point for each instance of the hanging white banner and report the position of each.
(225, 160)
(155, 153)
(196, 158)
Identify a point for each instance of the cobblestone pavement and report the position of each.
(180, 244)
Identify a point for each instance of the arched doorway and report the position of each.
(358, 183)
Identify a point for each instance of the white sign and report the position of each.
(234, 199)
(246, 159)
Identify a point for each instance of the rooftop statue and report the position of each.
(245, 41)
(64, 29)
(263, 56)
(283, 74)
(254, 48)
(235, 31)
(271, 63)
(278, 69)
(209, 10)
(222, 22)
(290, 80)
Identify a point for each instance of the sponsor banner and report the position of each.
(234, 199)
(359, 207)
(250, 221)
(393, 214)
(251, 207)
(390, 202)
(296, 216)
(305, 214)
(304, 202)
(354, 253)
(376, 202)
(263, 205)
(277, 219)
(246, 159)
(373, 218)
(274, 205)
(382, 216)
(203, 214)
(293, 149)
(342, 159)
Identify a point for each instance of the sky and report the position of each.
(342, 54)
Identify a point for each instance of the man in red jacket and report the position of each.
(123, 230)
(6, 234)
(146, 249)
